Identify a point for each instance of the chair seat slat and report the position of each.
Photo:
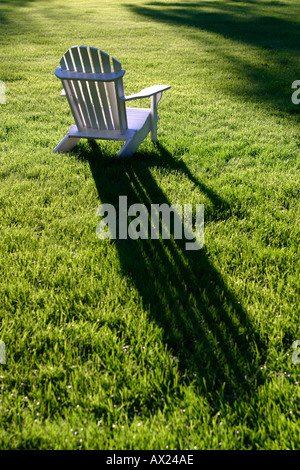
(80, 86)
(90, 92)
(88, 68)
(100, 86)
(110, 90)
(120, 92)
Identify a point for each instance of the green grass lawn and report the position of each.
(142, 344)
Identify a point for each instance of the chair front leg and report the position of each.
(66, 144)
(154, 115)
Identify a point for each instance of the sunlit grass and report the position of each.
(140, 344)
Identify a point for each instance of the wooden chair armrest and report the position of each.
(146, 92)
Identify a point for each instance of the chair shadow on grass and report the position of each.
(203, 324)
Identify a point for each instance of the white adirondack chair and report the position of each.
(93, 86)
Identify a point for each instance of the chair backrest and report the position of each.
(94, 104)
